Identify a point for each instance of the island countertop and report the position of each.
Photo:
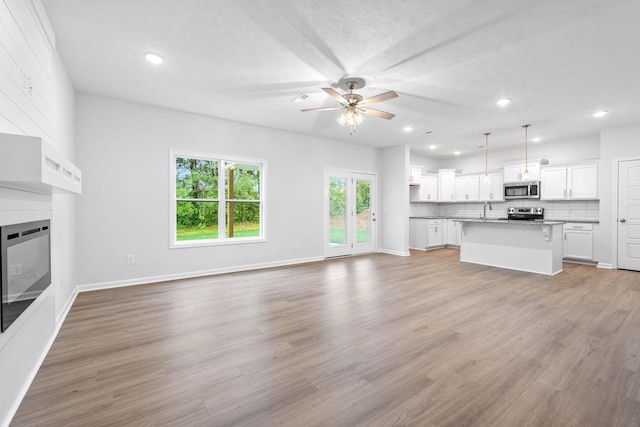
(509, 221)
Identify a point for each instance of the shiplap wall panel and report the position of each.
(25, 70)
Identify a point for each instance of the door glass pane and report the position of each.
(363, 211)
(337, 211)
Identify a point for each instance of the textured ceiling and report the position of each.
(449, 61)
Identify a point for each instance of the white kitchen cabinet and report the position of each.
(578, 241)
(467, 188)
(418, 233)
(554, 183)
(575, 182)
(582, 181)
(415, 172)
(427, 190)
(435, 233)
(453, 233)
(492, 190)
(513, 173)
(446, 184)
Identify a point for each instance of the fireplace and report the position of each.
(25, 270)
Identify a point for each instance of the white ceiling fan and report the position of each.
(355, 105)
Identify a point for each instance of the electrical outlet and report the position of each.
(295, 245)
(15, 270)
(131, 259)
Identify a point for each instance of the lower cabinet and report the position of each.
(578, 241)
(453, 233)
(426, 233)
(435, 233)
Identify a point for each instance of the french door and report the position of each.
(629, 215)
(349, 213)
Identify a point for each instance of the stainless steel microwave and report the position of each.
(522, 190)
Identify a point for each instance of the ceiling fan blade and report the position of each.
(335, 95)
(379, 98)
(377, 113)
(322, 109)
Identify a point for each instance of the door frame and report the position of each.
(614, 208)
(351, 218)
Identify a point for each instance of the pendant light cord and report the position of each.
(486, 153)
(526, 148)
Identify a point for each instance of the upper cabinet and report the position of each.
(467, 188)
(574, 182)
(426, 189)
(446, 184)
(492, 190)
(514, 172)
(415, 172)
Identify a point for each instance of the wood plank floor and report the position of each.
(373, 340)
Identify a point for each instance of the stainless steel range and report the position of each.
(525, 214)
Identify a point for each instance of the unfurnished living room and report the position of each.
(301, 213)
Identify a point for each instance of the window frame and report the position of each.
(222, 200)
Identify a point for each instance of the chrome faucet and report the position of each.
(484, 210)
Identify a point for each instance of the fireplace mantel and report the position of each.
(30, 163)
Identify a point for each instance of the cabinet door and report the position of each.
(582, 182)
(447, 186)
(435, 235)
(554, 184)
(578, 244)
(512, 173)
(473, 188)
(415, 172)
(432, 187)
(460, 189)
(453, 232)
(534, 171)
(418, 233)
(492, 190)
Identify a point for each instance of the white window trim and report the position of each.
(221, 240)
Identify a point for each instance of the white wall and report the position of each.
(23, 345)
(557, 152)
(123, 151)
(394, 195)
(619, 143)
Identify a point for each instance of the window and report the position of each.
(216, 199)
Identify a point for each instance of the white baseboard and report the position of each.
(396, 253)
(187, 275)
(605, 265)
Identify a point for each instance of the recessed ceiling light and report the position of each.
(432, 147)
(503, 102)
(154, 58)
(407, 129)
(457, 153)
(536, 139)
(599, 114)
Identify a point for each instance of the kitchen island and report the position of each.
(533, 246)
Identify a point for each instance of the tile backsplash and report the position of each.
(577, 210)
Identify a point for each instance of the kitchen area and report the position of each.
(497, 218)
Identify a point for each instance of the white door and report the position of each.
(629, 215)
(350, 213)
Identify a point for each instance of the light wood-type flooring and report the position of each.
(373, 340)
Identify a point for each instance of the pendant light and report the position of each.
(486, 179)
(525, 174)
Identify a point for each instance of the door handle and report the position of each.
(623, 220)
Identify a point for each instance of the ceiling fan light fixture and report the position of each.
(350, 117)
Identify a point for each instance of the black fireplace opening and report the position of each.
(25, 267)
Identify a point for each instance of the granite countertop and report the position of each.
(460, 218)
(507, 221)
